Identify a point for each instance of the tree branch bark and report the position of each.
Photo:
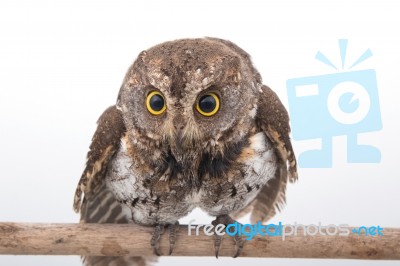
(130, 239)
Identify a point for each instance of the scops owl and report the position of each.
(193, 126)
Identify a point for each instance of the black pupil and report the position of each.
(157, 102)
(207, 103)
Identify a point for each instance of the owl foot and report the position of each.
(173, 229)
(158, 231)
(239, 242)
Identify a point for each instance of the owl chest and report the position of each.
(166, 201)
(238, 186)
(150, 198)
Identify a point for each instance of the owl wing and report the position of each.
(99, 204)
(273, 119)
(105, 143)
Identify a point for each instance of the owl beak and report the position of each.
(182, 136)
(179, 123)
(179, 135)
(186, 134)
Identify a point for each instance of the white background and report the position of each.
(62, 63)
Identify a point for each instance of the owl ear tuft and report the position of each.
(118, 104)
(229, 67)
(142, 56)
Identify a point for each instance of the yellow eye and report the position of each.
(155, 103)
(208, 105)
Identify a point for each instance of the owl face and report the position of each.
(189, 93)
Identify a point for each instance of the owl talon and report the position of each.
(239, 242)
(173, 229)
(155, 239)
(217, 244)
(158, 231)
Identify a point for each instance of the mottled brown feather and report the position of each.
(273, 119)
(99, 204)
(102, 207)
(105, 142)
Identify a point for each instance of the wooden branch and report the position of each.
(129, 239)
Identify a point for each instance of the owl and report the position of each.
(193, 126)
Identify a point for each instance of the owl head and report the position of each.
(190, 95)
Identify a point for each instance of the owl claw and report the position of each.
(155, 238)
(239, 242)
(217, 244)
(158, 231)
(173, 229)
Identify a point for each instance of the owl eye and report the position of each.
(155, 103)
(208, 105)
